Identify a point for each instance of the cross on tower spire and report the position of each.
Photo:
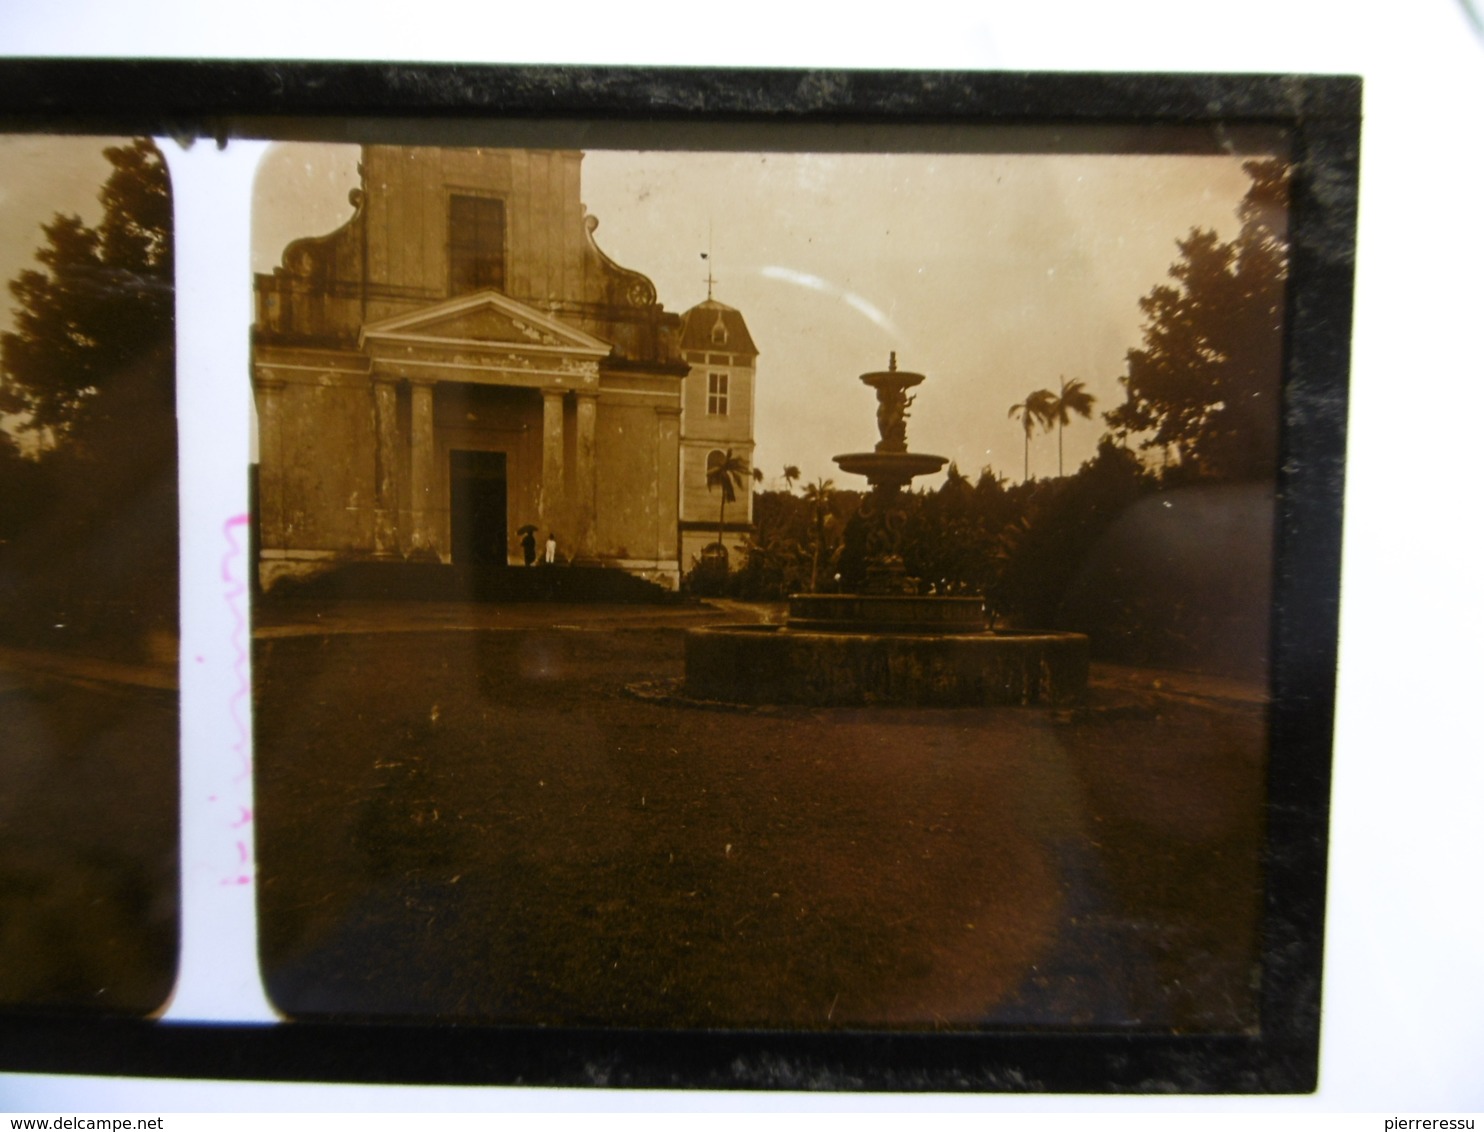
(706, 255)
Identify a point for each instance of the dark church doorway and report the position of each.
(477, 516)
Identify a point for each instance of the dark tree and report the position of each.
(727, 473)
(1205, 384)
(1034, 410)
(797, 540)
(943, 541)
(1039, 552)
(89, 373)
(775, 564)
(1073, 398)
(94, 338)
(24, 491)
(820, 496)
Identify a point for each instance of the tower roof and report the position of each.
(715, 326)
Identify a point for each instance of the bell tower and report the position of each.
(718, 417)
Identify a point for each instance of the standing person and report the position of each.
(551, 548)
(528, 546)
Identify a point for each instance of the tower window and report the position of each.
(719, 333)
(716, 395)
(476, 244)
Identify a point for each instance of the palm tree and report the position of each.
(727, 474)
(1074, 398)
(790, 475)
(1036, 408)
(818, 495)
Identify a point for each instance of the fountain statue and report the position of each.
(888, 469)
(888, 643)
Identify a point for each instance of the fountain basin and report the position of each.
(772, 664)
(890, 469)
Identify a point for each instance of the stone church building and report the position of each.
(460, 360)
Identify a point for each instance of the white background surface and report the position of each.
(1403, 1022)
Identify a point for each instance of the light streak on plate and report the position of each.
(824, 286)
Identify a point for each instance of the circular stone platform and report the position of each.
(771, 664)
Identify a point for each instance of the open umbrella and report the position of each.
(526, 528)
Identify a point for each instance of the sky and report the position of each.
(994, 274)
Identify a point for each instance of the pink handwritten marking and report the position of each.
(236, 594)
(236, 591)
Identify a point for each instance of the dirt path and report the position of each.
(84, 669)
(89, 835)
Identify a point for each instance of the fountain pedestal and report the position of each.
(888, 644)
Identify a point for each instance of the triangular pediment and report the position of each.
(485, 317)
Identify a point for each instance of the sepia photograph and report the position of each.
(89, 536)
(591, 560)
(822, 585)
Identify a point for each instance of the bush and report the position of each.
(710, 578)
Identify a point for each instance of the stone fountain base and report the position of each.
(771, 664)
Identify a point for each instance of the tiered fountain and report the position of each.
(889, 644)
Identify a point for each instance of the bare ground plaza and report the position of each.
(89, 837)
(465, 812)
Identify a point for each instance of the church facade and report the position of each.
(460, 362)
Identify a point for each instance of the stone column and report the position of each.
(424, 478)
(553, 479)
(585, 476)
(270, 464)
(385, 405)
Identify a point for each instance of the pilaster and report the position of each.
(584, 473)
(553, 477)
(388, 540)
(424, 473)
(270, 462)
